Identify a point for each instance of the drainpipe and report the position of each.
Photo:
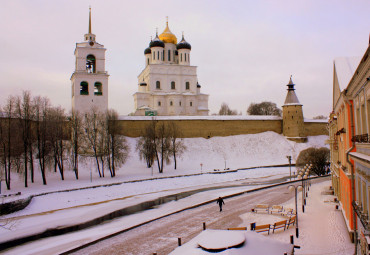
(352, 172)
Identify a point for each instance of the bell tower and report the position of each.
(293, 122)
(89, 79)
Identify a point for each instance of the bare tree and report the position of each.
(24, 114)
(177, 147)
(76, 139)
(57, 134)
(163, 145)
(43, 129)
(93, 134)
(146, 146)
(9, 139)
(117, 146)
(264, 108)
(225, 110)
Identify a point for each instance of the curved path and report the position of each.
(161, 236)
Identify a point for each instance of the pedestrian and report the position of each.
(220, 201)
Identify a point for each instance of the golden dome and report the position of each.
(167, 36)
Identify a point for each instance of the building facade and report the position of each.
(168, 85)
(89, 79)
(349, 145)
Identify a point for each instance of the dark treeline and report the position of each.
(35, 133)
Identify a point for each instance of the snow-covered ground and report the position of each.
(66, 208)
(241, 151)
(322, 230)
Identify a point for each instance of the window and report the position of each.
(159, 103)
(84, 88)
(181, 57)
(180, 103)
(185, 56)
(153, 55)
(187, 85)
(158, 85)
(148, 61)
(191, 103)
(171, 103)
(169, 55)
(98, 89)
(90, 64)
(158, 55)
(173, 85)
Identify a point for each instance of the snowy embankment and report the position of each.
(235, 152)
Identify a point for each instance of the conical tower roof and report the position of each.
(291, 97)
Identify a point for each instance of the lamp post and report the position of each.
(290, 168)
(300, 177)
(291, 187)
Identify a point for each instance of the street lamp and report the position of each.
(290, 168)
(291, 187)
(300, 177)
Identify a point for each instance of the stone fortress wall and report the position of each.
(210, 126)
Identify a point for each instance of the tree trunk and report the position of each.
(31, 165)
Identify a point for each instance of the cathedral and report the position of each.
(168, 85)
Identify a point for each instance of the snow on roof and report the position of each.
(255, 244)
(317, 120)
(345, 68)
(213, 117)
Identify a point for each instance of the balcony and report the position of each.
(364, 138)
(364, 217)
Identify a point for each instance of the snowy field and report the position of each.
(240, 151)
(65, 208)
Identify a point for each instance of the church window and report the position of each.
(148, 61)
(169, 55)
(185, 57)
(84, 88)
(162, 55)
(158, 55)
(153, 55)
(90, 64)
(98, 89)
(181, 57)
(173, 85)
(159, 103)
(191, 103)
(187, 85)
(158, 85)
(171, 103)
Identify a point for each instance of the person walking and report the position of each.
(220, 201)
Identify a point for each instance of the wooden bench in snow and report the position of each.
(240, 228)
(279, 224)
(261, 207)
(262, 228)
(291, 221)
(288, 212)
(276, 209)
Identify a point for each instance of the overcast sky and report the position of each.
(245, 50)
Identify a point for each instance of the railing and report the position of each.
(84, 92)
(98, 93)
(364, 217)
(364, 138)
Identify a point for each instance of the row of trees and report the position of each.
(161, 142)
(318, 157)
(263, 108)
(33, 132)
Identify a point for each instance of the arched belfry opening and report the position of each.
(91, 64)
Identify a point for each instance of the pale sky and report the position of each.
(245, 50)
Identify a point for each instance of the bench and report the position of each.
(279, 224)
(241, 228)
(261, 228)
(276, 209)
(288, 212)
(261, 207)
(291, 221)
